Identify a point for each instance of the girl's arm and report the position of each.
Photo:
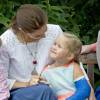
(82, 87)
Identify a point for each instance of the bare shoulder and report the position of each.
(77, 70)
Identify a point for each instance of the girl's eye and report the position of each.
(55, 43)
(59, 46)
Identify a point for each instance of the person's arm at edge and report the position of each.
(89, 48)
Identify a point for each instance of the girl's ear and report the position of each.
(71, 57)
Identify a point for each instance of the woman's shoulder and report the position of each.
(76, 66)
(53, 31)
(8, 37)
(7, 32)
(54, 28)
(77, 70)
(52, 25)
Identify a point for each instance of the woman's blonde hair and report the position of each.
(73, 44)
(29, 18)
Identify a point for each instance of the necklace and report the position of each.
(34, 56)
(21, 37)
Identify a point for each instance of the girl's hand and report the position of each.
(34, 80)
(37, 79)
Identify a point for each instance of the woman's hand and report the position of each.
(37, 79)
(34, 80)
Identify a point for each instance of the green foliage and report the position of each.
(88, 19)
(7, 11)
(4, 20)
(62, 15)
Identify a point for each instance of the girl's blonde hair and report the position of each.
(73, 44)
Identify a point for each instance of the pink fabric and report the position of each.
(63, 97)
(4, 91)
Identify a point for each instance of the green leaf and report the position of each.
(4, 20)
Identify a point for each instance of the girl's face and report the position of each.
(59, 49)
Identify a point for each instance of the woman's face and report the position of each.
(36, 35)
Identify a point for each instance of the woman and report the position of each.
(26, 46)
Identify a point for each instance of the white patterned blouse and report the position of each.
(17, 58)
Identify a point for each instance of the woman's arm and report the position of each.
(20, 84)
(12, 83)
(35, 79)
(4, 61)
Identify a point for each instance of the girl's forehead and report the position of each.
(61, 38)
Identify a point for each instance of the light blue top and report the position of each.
(61, 79)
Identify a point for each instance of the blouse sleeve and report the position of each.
(4, 61)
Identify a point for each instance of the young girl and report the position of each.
(64, 75)
(4, 91)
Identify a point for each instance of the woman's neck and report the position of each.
(20, 37)
(23, 38)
